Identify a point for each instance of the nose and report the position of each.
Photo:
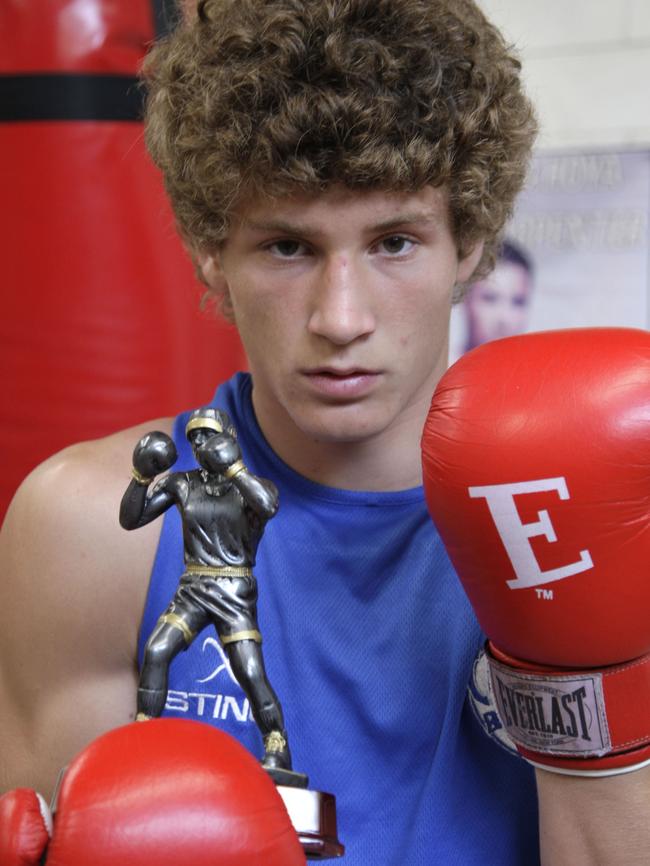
(341, 310)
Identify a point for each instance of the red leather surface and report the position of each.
(23, 835)
(101, 326)
(74, 35)
(572, 405)
(166, 792)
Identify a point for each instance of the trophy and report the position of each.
(224, 509)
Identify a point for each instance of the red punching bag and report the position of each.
(101, 326)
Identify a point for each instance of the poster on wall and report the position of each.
(575, 254)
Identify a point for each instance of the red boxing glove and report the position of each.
(536, 460)
(162, 793)
(25, 827)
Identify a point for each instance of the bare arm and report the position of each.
(594, 821)
(72, 591)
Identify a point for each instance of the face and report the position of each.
(342, 302)
(198, 437)
(498, 306)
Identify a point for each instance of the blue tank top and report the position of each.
(369, 642)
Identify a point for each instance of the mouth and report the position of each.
(342, 383)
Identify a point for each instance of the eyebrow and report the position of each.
(289, 228)
(281, 226)
(409, 218)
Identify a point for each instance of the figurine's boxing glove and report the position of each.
(154, 453)
(163, 793)
(25, 827)
(536, 460)
(219, 453)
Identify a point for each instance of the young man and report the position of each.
(339, 170)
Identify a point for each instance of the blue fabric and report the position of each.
(369, 642)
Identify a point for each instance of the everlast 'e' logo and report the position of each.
(556, 715)
(516, 535)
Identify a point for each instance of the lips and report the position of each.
(342, 383)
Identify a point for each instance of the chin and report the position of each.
(342, 424)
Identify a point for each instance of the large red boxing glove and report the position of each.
(536, 460)
(159, 793)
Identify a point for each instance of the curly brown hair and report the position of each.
(275, 97)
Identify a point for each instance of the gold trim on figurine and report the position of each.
(240, 635)
(219, 570)
(234, 469)
(203, 424)
(274, 742)
(142, 717)
(178, 622)
(139, 478)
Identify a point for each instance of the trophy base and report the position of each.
(287, 777)
(313, 815)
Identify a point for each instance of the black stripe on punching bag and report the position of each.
(70, 96)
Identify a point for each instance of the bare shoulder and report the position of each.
(72, 590)
(63, 522)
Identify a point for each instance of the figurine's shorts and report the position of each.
(229, 603)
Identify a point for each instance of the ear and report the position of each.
(468, 264)
(209, 269)
(209, 265)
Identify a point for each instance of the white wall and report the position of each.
(587, 66)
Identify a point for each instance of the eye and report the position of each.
(395, 245)
(287, 249)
